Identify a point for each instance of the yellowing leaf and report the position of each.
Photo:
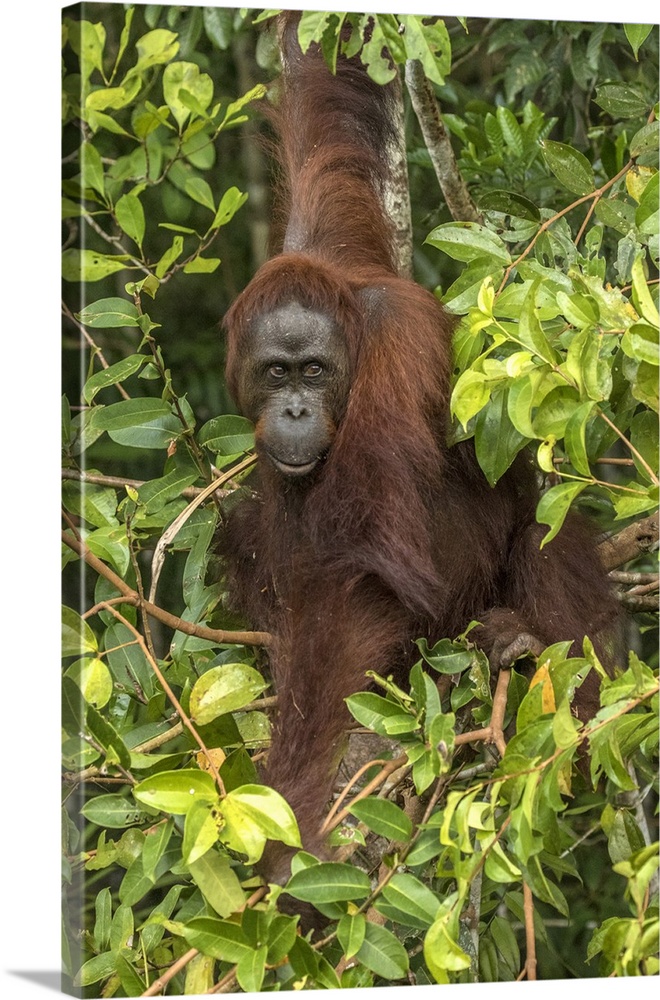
(636, 180)
(216, 754)
(542, 676)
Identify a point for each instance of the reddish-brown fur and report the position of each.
(395, 536)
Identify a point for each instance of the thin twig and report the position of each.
(120, 482)
(349, 784)
(170, 694)
(530, 939)
(173, 529)
(162, 981)
(389, 767)
(640, 458)
(558, 215)
(492, 733)
(599, 461)
(94, 347)
(178, 624)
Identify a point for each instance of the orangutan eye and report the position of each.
(313, 369)
(277, 371)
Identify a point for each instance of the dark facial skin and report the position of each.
(294, 386)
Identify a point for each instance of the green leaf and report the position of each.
(442, 952)
(201, 265)
(592, 373)
(91, 169)
(470, 394)
(132, 983)
(511, 131)
(77, 636)
(218, 24)
(114, 811)
(553, 507)
(647, 210)
(94, 680)
(644, 141)
(113, 375)
(129, 413)
(233, 112)
(254, 814)
(497, 441)
(329, 882)
(218, 882)
(200, 191)
(351, 930)
(312, 26)
(430, 44)
(130, 216)
(224, 689)
(506, 944)
(525, 395)
(580, 310)
(575, 437)
(468, 241)
(112, 97)
(112, 312)
(153, 433)
(642, 296)
(530, 332)
(644, 437)
(379, 714)
(509, 202)
(221, 939)
(169, 257)
(186, 76)
(107, 737)
(461, 296)
(384, 818)
(200, 832)
(383, 953)
(230, 203)
(406, 900)
(617, 214)
(110, 543)
(621, 100)
(155, 48)
(158, 492)
(281, 938)
(250, 969)
(446, 657)
(640, 341)
(81, 266)
(499, 867)
(99, 120)
(554, 412)
(88, 41)
(175, 791)
(571, 168)
(95, 969)
(227, 435)
(636, 35)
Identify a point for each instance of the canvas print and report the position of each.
(359, 500)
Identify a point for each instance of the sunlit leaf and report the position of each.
(175, 791)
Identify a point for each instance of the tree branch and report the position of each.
(397, 191)
(494, 732)
(637, 538)
(425, 105)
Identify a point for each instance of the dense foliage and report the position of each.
(497, 832)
